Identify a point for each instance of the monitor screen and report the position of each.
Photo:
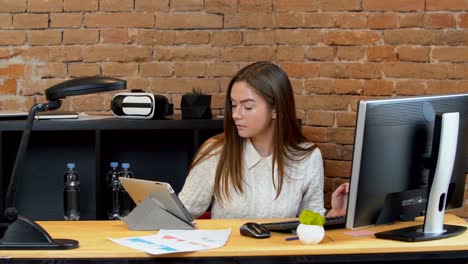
(391, 164)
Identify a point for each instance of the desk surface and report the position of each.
(93, 235)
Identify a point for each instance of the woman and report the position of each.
(261, 166)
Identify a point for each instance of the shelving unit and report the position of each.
(156, 150)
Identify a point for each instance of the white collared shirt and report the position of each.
(303, 189)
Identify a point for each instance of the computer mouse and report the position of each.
(254, 230)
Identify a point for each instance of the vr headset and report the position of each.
(141, 105)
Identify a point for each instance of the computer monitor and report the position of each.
(394, 158)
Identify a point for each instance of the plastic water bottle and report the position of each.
(71, 193)
(126, 203)
(112, 192)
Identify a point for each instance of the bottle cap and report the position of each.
(114, 164)
(71, 165)
(125, 165)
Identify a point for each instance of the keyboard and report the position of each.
(290, 226)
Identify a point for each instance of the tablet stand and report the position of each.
(149, 215)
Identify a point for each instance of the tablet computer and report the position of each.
(161, 192)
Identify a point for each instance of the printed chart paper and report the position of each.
(174, 241)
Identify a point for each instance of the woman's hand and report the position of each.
(339, 201)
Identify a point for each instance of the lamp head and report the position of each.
(84, 85)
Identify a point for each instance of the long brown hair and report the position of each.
(272, 83)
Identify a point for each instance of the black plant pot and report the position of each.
(196, 106)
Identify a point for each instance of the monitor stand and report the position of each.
(446, 127)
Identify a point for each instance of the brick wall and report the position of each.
(335, 52)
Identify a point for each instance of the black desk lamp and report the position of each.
(18, 232)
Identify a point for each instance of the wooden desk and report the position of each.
(335, 247)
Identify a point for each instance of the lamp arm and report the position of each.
(11, 213)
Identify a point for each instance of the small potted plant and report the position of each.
(196, 105)
(310, 229)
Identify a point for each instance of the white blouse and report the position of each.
(302, 189)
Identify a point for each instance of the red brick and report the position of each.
(195, 53)
(463, 20)
(287, 20)
(318, 86)
(377, 87)
(439, 20)
(410, 53)
(4, 53)
(341, 135)
(119, 69)
(30, 21)
(298, 37)
(152, 5)
(306, 5)
(345, 119)
(190, 69)
(410, 87)
(115, 5)
(222, 69)
(443, 87)
(83, 69)
(290, 53)
(300, 69)
(335, 168)
(248, 54)
(8, 87)
(347, 86)
(184, 85)
(382, 21)
(116, 53)
(351, 20)
(116, 35)
(328, 102)
(80, 5)
(188, 21)
(32, 87)
(221, 6)
(414, 70)
(158, 37)
(452, 5)
(381, 53)
(315, 134)
(186, 5)
(362, 37)
(350, 70)
(45, 6)
(450, 54)
(119, 20)
(92, 102)
(66, 20)
(413, 37)
(458, 71)
(456, 37)
(258, 21)
(80, 36)
(319, 20)
(411, 20)
(44, 38)
(192, 37)
(226, 38)
(263, 37)
(156, 69)
(49, 70)
(322, 53)
(258, 6)
(5, 21)
(320, 118)
(394, 5)
(350, 53)
(13, 6)
(12, 38)
(12, 71)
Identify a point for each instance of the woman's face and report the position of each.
(252, 115)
